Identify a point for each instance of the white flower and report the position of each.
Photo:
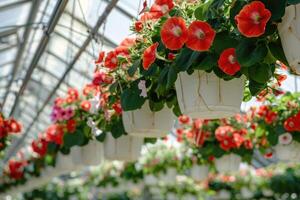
(142, 87)
(285, 139)
(95, 104)
(95, 131)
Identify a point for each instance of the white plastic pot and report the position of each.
(88, 155)
(145, 123)
(64, 164)
(204, 95)
(199, 172)
(246, 193)
(169, 177)
(172, 196)
(228, 163)
(222, 195)
(289, 31)
(189, 197)
(288, 153)
(150, 180)
(125, 148)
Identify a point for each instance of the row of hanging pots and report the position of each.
(200, 95)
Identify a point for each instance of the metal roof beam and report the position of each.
(12, 5)
(81, 22)
(100, 21)
(58, 11)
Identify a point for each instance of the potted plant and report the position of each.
(277, 125)
(212, 43)
(125, 148)
(226, 141)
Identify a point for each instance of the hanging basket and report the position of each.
(204, 95)
(125, 148)
(150, 179)
(228, 163)
(288, 153)
(170, 176)
(199, 172)
(289, 31)
(145, 123)
(88, 155)
(64, 164)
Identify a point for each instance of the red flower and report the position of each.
(111, 60)
(58, 101)
(228, 62)
(55, 133)
(128, 42)
(200, 36)
(184, 119)
(226, 144)
(13, 126)
(147, 16)
(280, 78)
(200, 137)
(40, 146)
(100, 57)
(16, 169)
(292, 123)
(174, 33)
(162, 7)
(138, 25)
(252, 19)
(270, 117)
(149, 56)
(171, 56)
(71, 126)
(237, 139)
(117, 107)
(268, 155)
(223, 132)
(101, 77)
(248, 144)
(85, 105)
(73, 94)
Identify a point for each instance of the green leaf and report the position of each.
(255, 87)
(131, 99)
(293, 2)
(260, 73)
(52, 148)
(248, 53)
(101, 137)
(277, 51)
(152, 71)
(235, 9)
(131, 71)
(172, 77)
(156, 106)
(277, 8)
(185, 59)
(118, 129)
(162, 79)
(247, 95)
(207, 63)
(201, 12)
(74, 139)
(223, 41)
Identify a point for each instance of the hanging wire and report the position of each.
(85, 21)
(70, 44)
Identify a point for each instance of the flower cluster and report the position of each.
(218, 137)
